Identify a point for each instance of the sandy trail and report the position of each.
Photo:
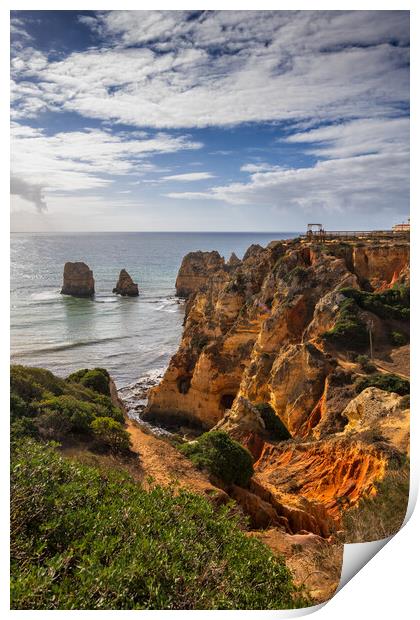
(162, 464)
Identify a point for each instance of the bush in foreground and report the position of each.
(387, 382)
(53, 408)
(111, 434)
(82, 538)
(222, 456)
(96, 379)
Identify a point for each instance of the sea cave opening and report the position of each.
(226, 401)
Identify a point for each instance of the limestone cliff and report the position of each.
(256, 332)
(196, 270)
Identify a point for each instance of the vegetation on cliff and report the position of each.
(96, 379)
(393, 303)
(387, 382)
(48, 407)
(349, 331)
(222, 456)
(381, 514)
(83, 538)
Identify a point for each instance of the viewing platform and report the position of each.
(316, 232)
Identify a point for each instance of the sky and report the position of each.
(209, 120)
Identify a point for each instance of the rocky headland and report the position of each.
(281, 339)
(125, 285)
(78, 280)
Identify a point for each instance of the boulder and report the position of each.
(125, 285)
(78, 280)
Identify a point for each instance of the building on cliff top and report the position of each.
(404, 227)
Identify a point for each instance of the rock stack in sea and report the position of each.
(125, 285)
(78, 280)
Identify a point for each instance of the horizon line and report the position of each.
(213, 232)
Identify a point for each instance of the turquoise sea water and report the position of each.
(131, 337)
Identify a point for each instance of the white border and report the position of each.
(387, 586)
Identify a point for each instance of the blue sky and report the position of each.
(207, 120)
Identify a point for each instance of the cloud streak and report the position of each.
(189, 176)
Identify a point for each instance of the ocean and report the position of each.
(133, 338)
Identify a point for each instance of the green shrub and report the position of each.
(111, 434)
(274, 426)
(22, 427)
(96, 379)
(60, 406)
(398, 339)
(83, 538)
(222, 456)
(53, 425)
(349, 331)
(387, 382)
(393, 303)
(365, 363)
(18, 407)
(78, 414)
(33, 383)
(105, 408)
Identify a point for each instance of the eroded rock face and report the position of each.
(125, 285)
(254, 330)
(78, 280)
(253, 333)
(384, 414)
(196, 270)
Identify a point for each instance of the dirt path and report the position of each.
(162, 464)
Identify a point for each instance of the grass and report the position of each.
(84, 538)
(222, 456)
(381, 515)
(387, 382)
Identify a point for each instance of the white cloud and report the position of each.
(261, 167)
(81, 160)
(366, 169)
(355, 138)
(189, 176)
(226, 67)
